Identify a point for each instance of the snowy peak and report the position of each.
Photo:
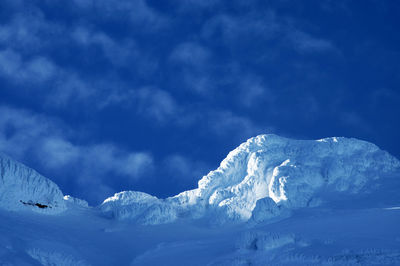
(292, 172)
(22, 188)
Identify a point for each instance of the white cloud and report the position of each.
(304, 42)
(183, 168)
(35, 70)
(149, 102)
(10, 63)
(55, 86)
(195, 65)
(96, 161)
(354, 120)
(40, 69)
(190, 53)
(235, 28)
(156, 103)
(222, 124)
(136, 13)
(194, 5)
(23, 132)
(252, 91)
(227, 123)
(108, 158)
(118, 53)
(69, 88)
(30, 31)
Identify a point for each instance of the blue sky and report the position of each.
(104, 96)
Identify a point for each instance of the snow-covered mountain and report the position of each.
(291, 173)
(272, 200)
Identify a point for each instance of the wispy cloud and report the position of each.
(182, 168)
(137, 13)
(35, 70)
(156, 103)
(194, 63)
(227, 123)
(252, 90)
(304, 42)
(119, 53)
(263, 27)
(24, 134)
(149, 102)
(230, 29)
(57, 152)
(190, 53)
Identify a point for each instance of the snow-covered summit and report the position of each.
(286, 173)
(292, 172)
(23, 188)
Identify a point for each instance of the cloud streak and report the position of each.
(24, 134)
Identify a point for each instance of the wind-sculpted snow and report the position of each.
(279, 173)
(23, 188)
(138, 206)
(127, 204)
(292, 173)
(266, 209)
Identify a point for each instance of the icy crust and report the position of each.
(290, 172)
(23, 188)
(263, 178)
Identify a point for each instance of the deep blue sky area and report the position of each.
(102, 96)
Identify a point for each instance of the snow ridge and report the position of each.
(23, 188)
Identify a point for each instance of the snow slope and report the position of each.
(272, 201)
(23, 188)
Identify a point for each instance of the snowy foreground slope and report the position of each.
(272, 201)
